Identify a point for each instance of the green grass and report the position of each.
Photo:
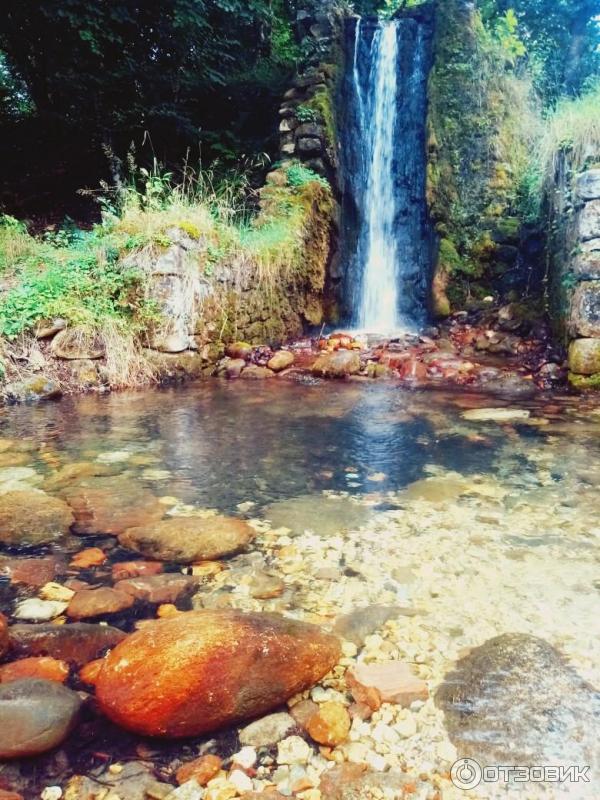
(96, 279)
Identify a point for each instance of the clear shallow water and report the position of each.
(223, 444)
(484, 528)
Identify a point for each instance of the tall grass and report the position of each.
(573, 128)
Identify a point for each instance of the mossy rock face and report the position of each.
(584, 357)
(477, 149)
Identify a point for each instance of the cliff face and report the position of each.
(479, 131)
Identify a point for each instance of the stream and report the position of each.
(478, 526)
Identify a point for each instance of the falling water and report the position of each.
(385, 228)
(378, 310)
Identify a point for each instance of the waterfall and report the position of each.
(385, 231)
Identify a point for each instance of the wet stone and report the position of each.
(77, 643)
(37, 715)
(159, 588)
(31, 518)
(162, 681)
(185, 540)
(516, 700)
(267, 730)
(111, 506)
(98, 602)
(356, 626)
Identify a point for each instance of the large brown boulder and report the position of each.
(185, 540)
(78, 643)
(111, 505)
(338, 364)
(202, 670)
(37, 715)
(30, 518)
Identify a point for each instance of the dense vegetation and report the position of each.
(119, 102)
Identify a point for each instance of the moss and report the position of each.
(585, 383)
(193, 231)
(323, 105)
(477, 140)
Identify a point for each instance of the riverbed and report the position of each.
(471, 518)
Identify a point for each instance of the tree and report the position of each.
(562, 40)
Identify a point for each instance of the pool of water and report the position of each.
(483, 526)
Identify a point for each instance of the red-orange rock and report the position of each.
(135, 569)
(201, 770)
(49, 669)
(90, 557)
(31, 571)
(159, 588)
(89, 673)
(413, 370)
(3, 635)
(7, 795)
(199, 671)
(97, 602)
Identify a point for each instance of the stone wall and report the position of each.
(574, 259)
(307, 113)
(207, 305)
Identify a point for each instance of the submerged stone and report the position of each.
(516, 700)
(98, 602)
(360, 623)
(37, 715)
(111, 505)
(188, 539)
(31, 518)
(159, 588)
(324, 515)
(201, 670)
(77, 643)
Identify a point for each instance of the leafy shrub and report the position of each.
(298, 175)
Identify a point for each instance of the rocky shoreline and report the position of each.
(503, 351)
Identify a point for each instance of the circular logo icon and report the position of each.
(466, 773)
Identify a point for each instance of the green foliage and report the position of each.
(306, 114)
(82, 282)
(560, 37)
(299, 175)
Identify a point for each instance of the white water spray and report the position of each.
(378, 309)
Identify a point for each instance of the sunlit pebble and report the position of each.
(168, 501)
(51, 793)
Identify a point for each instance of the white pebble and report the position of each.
(246, 758)
(293, 750)
(241, 781)
(52, 793)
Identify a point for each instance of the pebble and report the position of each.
(241, 781)
(54, 591)
(52, 793)
(245, 758)
(36, 610)
(293, 750)
(267, 730)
